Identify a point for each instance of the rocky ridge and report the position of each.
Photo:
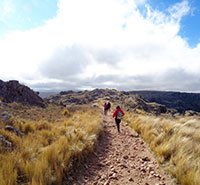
(13, 91)
(129, 101)
(153, 102)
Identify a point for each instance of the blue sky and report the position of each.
(123, 44)
(189, 24)
(23, 15)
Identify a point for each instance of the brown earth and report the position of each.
(119, 159)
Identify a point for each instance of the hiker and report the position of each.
(109, 105)
(105, 108)
(118, 114)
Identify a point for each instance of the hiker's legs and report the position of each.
(117, 121)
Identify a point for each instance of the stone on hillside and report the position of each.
(6, 118)
(5, 142)
(191, 113)
(12, 129)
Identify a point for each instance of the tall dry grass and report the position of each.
(48, 150)
(176, 143)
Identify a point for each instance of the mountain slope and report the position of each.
(176, 100)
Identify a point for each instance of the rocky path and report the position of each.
(120, 159)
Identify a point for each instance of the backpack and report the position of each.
(119, 115)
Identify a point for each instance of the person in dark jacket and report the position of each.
(109, 106)
(105, 108)
(118, 114)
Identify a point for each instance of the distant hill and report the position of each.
(180, 101)
(149, 101)
(130, 101)
(13, 91)
(47, 94)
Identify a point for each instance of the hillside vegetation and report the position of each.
(63, 129)
(48, 150)
(174, 141)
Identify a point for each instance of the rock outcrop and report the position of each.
(136, 102)
(84, 97)
(13, 91)
(13, 129)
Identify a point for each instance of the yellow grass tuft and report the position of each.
(49, 149)
(66, 113)
(175, 143)
(140, 111)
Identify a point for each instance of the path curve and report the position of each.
(119, 159)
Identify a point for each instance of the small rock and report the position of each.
(143, 170)
(86, 178)
(114, 171)
(132, 157)
(152, 172)
(70, 178)
(133, 166)
(131, 179)
(110, 175)
(145, 159)
(125, 157)
(123, 166)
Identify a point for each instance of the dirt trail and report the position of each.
(120, 159)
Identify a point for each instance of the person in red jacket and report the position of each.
(118, 114)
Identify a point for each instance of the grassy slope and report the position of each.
(48, 150)
(175, 143)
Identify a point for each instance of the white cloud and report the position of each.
(101, 43)
(179, 10)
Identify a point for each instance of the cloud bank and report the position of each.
(123, 44)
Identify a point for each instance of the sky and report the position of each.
(55, 45)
